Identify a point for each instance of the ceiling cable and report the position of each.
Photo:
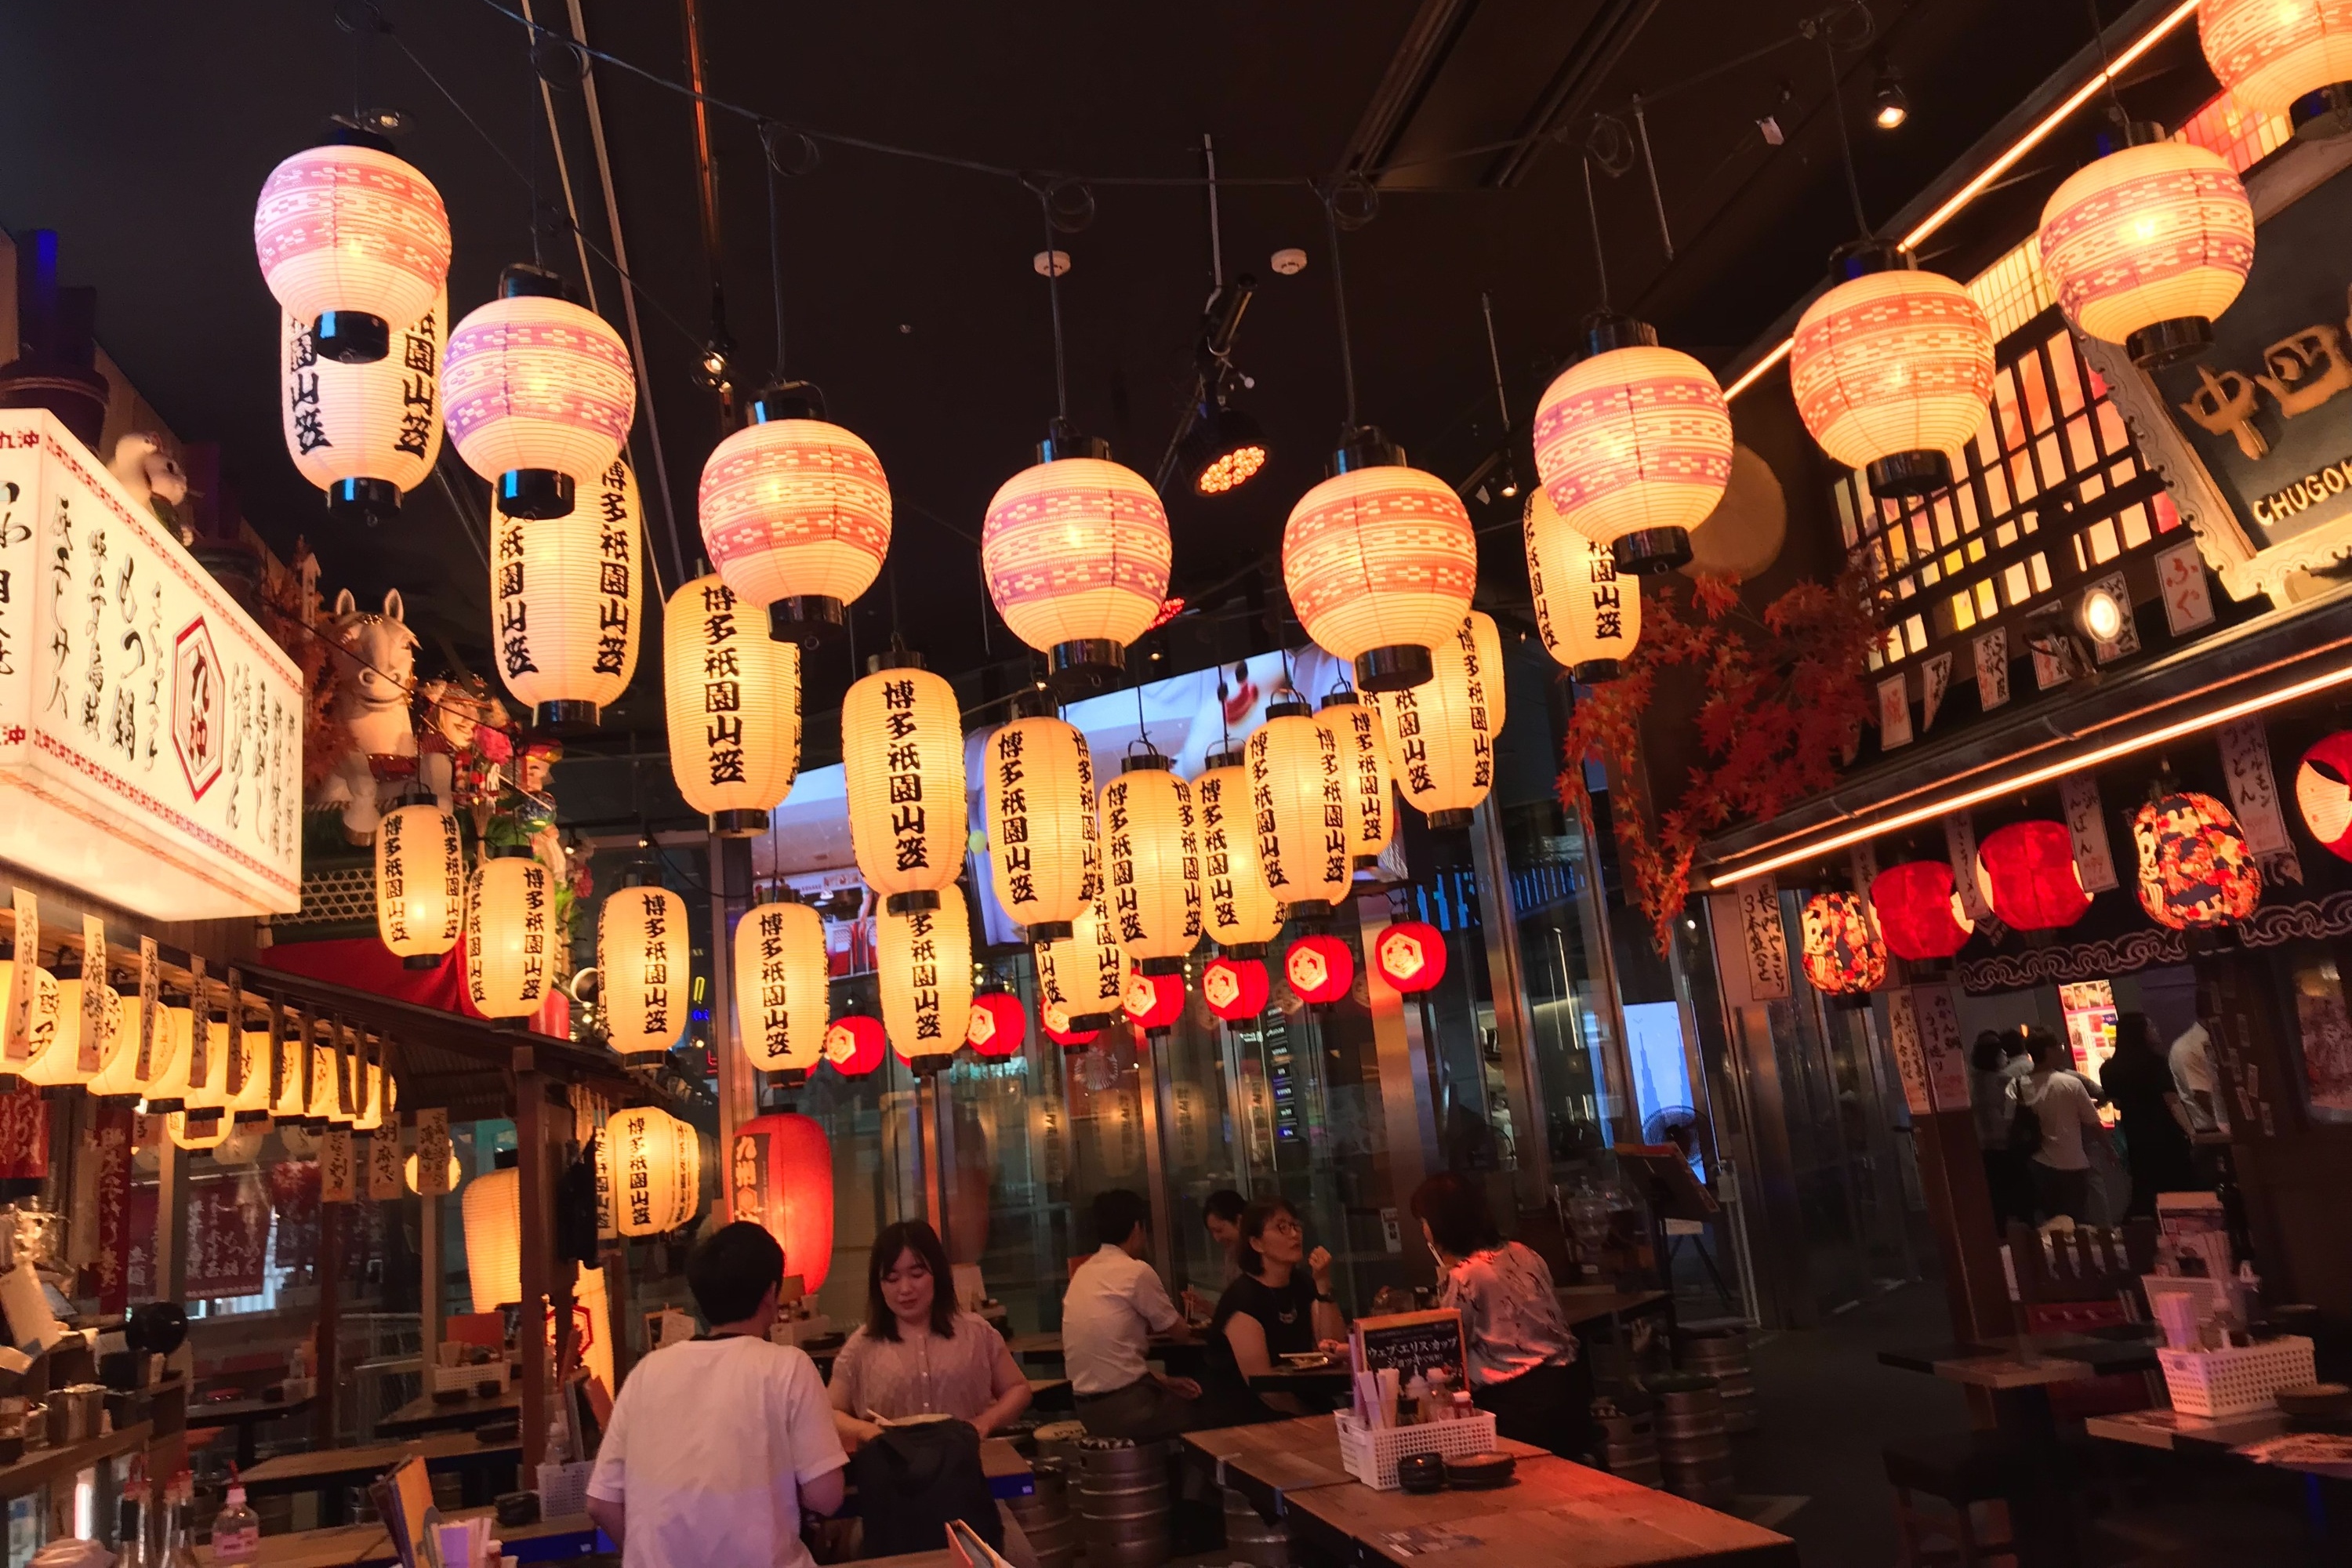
(775, 265)
(1845, 137)
(1593, 211)
(1495, 358)
(563, 165)
(1650, 167)
(1339, 302)
(1055, 264)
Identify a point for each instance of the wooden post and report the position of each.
(432, 1286)
(172, 1222)
(535, 1190)
(739, 1082)
(331, 1288)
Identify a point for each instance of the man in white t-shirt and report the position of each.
(2191, 1059)
(717, 1444)
(2062, 1106)
(1115, 1304)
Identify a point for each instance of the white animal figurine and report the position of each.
(152, 476)
(375, 666)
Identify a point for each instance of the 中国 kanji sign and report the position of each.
(199, 732)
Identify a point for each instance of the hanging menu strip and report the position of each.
(200, 1027)
(239, 1059)
(95, 1015)
(18, 1024)
(151, 992)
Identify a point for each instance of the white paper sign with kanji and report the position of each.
(1893, 713)
(1940, 1045)
(1960, 845)
(1764, 939)
(432, 1151)
(335, 1170)
(2086, 825)
(1991, 652)
(1903, 1039)
(2187, 593)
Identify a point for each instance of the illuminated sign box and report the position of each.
(151, 739)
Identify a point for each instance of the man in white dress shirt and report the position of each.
(1115, 1304)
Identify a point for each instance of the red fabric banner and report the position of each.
(228, 1239)
(110, 1143)
(366, 964)
(24, 1133)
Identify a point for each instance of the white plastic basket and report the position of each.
(2236, 1381)
(563, 1490)
(1371, 1453)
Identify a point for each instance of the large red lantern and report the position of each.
(1053, 1021)
(855, 1044)
(1236, 988)
(1920, 912)
(2028, 873)
(1410, 955)
(998, 1025)
(2323, 792)
(1319, 968)
(1153, 1002)
(2195, 869)
(782, 1176)
(1842, 954)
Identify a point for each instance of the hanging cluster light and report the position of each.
(1379, 562)
(1442, 736)
(2028, 873)
(1919, 913)
(1298, 803)
(2273, 55)
(1152, 863)
(781, 1174)
(902, 767)
(1044, 849)
(564, 600)
(1841, 952)
(999, 1026)
(1367, 796)
(642, 942)
(539, 395)
(796, 512)
(1083, 976)
(1236, 906)
(924, 957)
(1410, 956)
(420, 883)
(1320, 968)
(781, 982)
(731, 703)
(365, 434)
(352, 241)
(2195, 869)
(2322, 792)
(509, 936)
(1588, 612)
(1236, 988)
(855, 1044)
(1075, 552)
(650, 1163)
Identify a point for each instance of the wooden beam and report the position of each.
(536, 1196)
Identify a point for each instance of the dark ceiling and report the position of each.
(142, 132)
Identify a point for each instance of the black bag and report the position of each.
(911, 1480)
(2024, 1132)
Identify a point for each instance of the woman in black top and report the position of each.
(2138, 1083)
(1281, 1305)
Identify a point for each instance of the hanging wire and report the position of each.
(1845, 137)
(530, 138)
(1600, 256)
(1054, 302)
(1650, 167)
(775, 265)
(2107, 68)
(1340, 299)
(1495, 358)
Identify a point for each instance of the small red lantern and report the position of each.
(781, 1176)
(2028, 876)
(1153, 1002)
(1842, 955)
(855, 1044)
(2322, 792)
(1920, 912)
(1052, 1019)
(1319, 968)
(2195, 869)
(1236, 988)
(998, 1025)
(1411, 955)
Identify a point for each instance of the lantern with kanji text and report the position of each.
(781, 1174)
(781, 977)
(1442, 735)
(924, 960)
(641, 964)
(1044, 849)
(1152, 856)
(731, 704)
(1298, 797)
(902, 769)
(1236, 906)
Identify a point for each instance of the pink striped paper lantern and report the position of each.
(2147, 245)
(1891, 371)
(538, 394)
(1381, 563)
(2269, 53)
(1077, 554)
(352, 241)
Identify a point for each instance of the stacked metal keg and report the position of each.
(1693, 1446)
(1044, 1515)
(1249, 1538)
(1721, 1353)
(1123, 1503)
(1060, 1440)
(1629, 1443)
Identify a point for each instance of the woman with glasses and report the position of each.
(1281, 1305)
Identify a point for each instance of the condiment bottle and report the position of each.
(236, 1529)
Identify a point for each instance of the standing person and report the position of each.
(2062, 1109)
(2193, 1079)
(1222, 1216)
(1281, 1305)
(1996, 1069)
(1113, 1307)
(717, 1444)
(1523, 1364)
(2138, 1081)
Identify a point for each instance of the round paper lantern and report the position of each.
(2029, 877)
(652, 1163)
(1045, 856)
(924, 958)
(998, 1027)
(1410, 955)
(491, 1209)
(289, 1103)
(457, 1174)
(1442, 735)
(165, 1088)
(2147, 245)
(1298, 797)
(365, 434)
(1589, 613)
(208, 1089)
(1320, 968)
(1920, 912)
(902, 767)
(642, 968)
(782, 978)
(1083, 974)
(2195, 869)
(781, 1178)
(1634, 444)
(325, 1106)
(539, 395)
(250, 1091)
(1153, 1002)
(1053, 1021)
(1235, 988)
(510, 932)
(2323, 792)
(242, 1143)
(1892, 370)
(731, 703)
(563, 601)
(796, 514)
(1152, 861)
(1370, 799)
(379, 1098)
(1842, 955)
(1379, 562)
(129, 1073)
(196, 1131)
(1236, 906)
(48, 1009)
(58, 1068)
(2269, 53)
(352, 240)
(854, 1045)
(420, 883)
(1075, 552)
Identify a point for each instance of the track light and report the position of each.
(2100, 614)
(1890, 105)
(1222, 451)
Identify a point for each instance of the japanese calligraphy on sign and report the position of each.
(97, 1018)
(20, 1021)
(1946, 1058)
(336, 1171)
(1903, 1043)
(2086, 824)
(432, 1151)
(384, 1162)
(1992, 651)
(1764, 939)
(2245, 747)
(1960, 848)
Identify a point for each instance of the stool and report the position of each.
(1962, 1472)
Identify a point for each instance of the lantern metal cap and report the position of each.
(1084, 666)
(1232, 759)
(1292, 707)
(742, 823)
(420, 962)
(1607, 330)
(351, 337)
(365, 502)
(567, 714)
(1593, 671)
(1087, 1022)
(522, 280)
(1050, 931)
(1652, 551)
(1148, 762)
(1399, 666)
(2169, 342)
(1159, 966)
(812, 620)
(1366, 862)
(773, 890)
(343, 133)
(1034, 703)
(65, 968)
(535, 495)
(790, 1078)
(1064, 440)
(1345, 697)
(893, 658)
(1238, 949)
(1307, 909)
(785, 400)
(1860, 257)
(910, 903)
(1364, 446)
(1449, 820)
(1903, 474)
(507, 852)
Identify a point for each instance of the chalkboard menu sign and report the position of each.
(1412, 1342)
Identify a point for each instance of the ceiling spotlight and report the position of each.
(1890, 105)
(711, 366)
(2100, 614)
(1510, 485)
(1290, 261)
(1222, 451)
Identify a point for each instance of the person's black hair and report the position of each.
(2135, 1034)
(732, 1270)
(909, 1236)
(1225, 1205)
(1254, 1221)
(2041, 1043)
(1988, 1052)
(1454, 1208)
(1116, 1213)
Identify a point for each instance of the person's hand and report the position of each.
(1318, 1263)
(1197, 1306)
(1333, 1347)
(857, 1434)
(1182, 1387)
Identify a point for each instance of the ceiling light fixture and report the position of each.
(1217, 449)
(1890, 105)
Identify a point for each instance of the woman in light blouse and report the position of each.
(916, 1354)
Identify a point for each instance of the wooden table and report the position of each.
(426, 1414)
(249, 1416)
(332, 1471)
(367, 1546)
(1268, 1462)
(1009, 1475)
(1317, 1388)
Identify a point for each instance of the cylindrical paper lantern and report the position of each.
(538, 394)
(121, 1078)
(1634, 442)
(1410, 956)
(1298, 800)
(365, 434)
(924, 959)
(492, 1211)
(420, 883)
(166, 1089)
(456, 1178)
(999, 1026)
(198, 1129)
(1842, 955)
(563, 600)
(641, 943)
(780, 987)
(796, 514)
(1084, 974)
(902, 768)
(1442, 735)
(1151, 855)
(47, 1010)
(509, 936)
(325, 1107)
(1919, 911)
(60, 1067)
(1365, 787)
(1237, 907)
(248, 1100)
(2195, 869)
(209, 1089)
(1153, 1002)
(1235, 988)
(653, 1163)
(731, 702)
(2269, 53)
(242, 1143)
(351, 234)
(1589, 613)
(1076, 553)
(782, 1177)
(2323, 792)
(289, 1103)
(2147, 245)
(855, 1044)
(1379, 562)
(2028, 876)
(1045, 855)
(1891, 371)
(379, 1098)
(1320, 968)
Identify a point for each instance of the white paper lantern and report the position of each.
(782, 986)
(1045, 851)
(796, 512)
(47, 1010)
(198, 1129)
(1891, 372)
(324, 1107)
(654, 1165)
(420, 883)
(365, 434)
(289, 1103)
(1236, 906)
(1083, 976)
(642, 942)
(491, 1207)
(1587, 611)
(2146, 246)
(456, 1178)
(1298, 803)
(1076, 553)
(1379, 563)
(902, 769)
(121, 1076)
(1442, 735)
(208, 1089)
(165, 1088)
(1151, 863)
(510, 936)
(732, 700)
(564, 600)
(60, 1067)
(539, 395)
(349, 231)
(246, 1088)
(1370, 799)
(379, 1098)
(924, 959)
